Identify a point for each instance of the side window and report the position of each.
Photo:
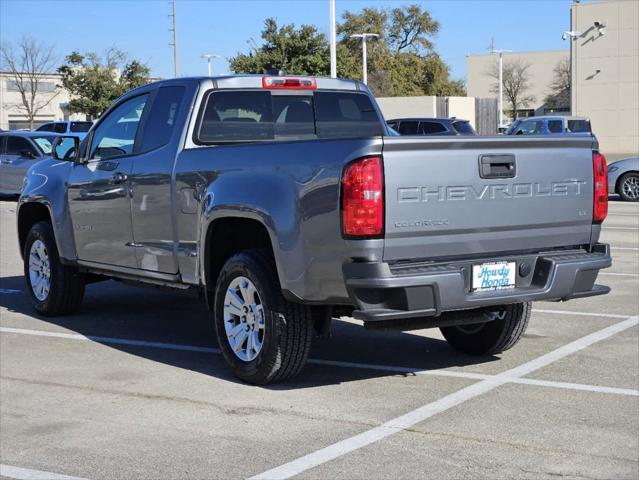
(47, 127)
(392, 125)
(294, 115)
(236, 116)
(159, 126)
(408, 127)
(60, 127)
(115, 136)
(555, 126)
(18, 145)
(579, 126)
(431, 128)
(531, 127)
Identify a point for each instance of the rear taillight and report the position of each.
(363, 198)
(600, 180)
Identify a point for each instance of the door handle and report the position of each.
(119, 177)
(497, 166)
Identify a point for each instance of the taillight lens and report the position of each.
(600, 178)
(363, 198)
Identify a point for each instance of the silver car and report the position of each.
(18, 152)
(623, 178)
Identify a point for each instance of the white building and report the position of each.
(13, 117)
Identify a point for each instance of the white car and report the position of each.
(68, 127)
(623, 178)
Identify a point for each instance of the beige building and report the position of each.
(12, 117)
(479, 82)
(605, 71)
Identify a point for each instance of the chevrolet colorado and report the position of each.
(284, 203)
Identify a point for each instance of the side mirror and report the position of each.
(66, 148)
(27, 154)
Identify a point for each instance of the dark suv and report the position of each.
(431, 126)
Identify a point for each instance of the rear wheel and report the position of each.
(629, 187)
(54, 288)
(495, 330)
(263, 337)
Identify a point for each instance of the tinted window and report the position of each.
(116, 133)
(293, 115)
(160, 124)
(555, 126)
(393, 125)
(17, 145)
(465, 128)
(47, 127)
(531, 127)
(582, 126)
(237, 116)
(60, 127)
(430, 128)
(342, 114)
(408, 127)
(80, 127)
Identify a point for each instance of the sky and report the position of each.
(224, 27)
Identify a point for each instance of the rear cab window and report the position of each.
(60, 127)
(231, 116)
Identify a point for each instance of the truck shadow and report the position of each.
(115, 311)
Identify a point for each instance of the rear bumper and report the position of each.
(392, 292)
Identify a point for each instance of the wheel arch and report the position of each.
(29, 214)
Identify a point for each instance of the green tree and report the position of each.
(95, 81)
(302, 51)
(400, 62)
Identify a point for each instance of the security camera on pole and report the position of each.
(364, 36)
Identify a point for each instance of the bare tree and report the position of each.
(28, 63)
(516, 79)
(559, 96)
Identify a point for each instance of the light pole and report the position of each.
(333, 42)
(500, 107)
(364, 36)
(209, 57)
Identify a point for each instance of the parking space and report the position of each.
(133, 387)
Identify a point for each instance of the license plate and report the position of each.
(493, 276)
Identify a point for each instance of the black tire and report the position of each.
(66, 283)
(494, 336)
(288, 327)
(625, 195)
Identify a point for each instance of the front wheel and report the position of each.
(629, 187)
(263, 337)
(494, 332)
(54, 288)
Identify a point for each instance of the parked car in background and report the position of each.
(549, 126)
(431, 126)
(68, 127)
(18, 152)
(623, 178)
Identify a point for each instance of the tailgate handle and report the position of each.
(497, 166)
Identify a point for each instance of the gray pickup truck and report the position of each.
(284, 203)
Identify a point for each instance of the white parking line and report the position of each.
(9, 290)
(620, 274)
(28, 474)
(414, 417)
(621, 228)
(581, 314)
(337, 363)
(625, 248)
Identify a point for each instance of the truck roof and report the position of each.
(255, 81)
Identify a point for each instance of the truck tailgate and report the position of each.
(536, 194)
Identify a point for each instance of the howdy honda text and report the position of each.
(491, 192)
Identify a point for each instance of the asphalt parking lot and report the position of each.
(134, 387)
